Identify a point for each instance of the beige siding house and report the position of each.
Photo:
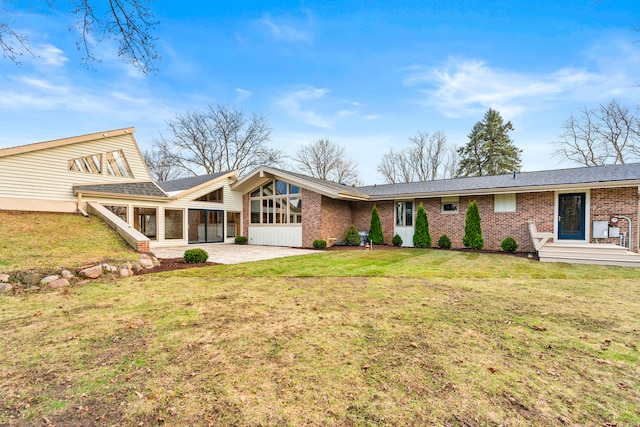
(108, 169)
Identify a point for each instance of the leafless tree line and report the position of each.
(609, 134)
(428, 157)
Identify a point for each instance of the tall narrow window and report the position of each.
(144, 220)
(404, 214)
(117, 165)
(173, 224)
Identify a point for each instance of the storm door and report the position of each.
(571, 216)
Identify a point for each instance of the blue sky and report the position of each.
(366, 75)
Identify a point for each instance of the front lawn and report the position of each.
(405, 337)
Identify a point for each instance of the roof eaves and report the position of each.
(11, 151)
(188, 191)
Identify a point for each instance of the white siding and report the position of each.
(280, 235)
(44, 174)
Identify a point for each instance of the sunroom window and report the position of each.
(276, 202)
(214, 196)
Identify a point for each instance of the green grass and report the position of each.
(406, 337)
(50, 241)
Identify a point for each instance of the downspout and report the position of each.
(82, 211)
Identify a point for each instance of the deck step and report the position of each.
(593, 253)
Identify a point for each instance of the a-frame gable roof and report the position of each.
(327, 188)
(182, 187)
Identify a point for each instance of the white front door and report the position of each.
(404, 220)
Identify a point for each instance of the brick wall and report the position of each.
(361, 217)
(311, 217)
(336, 220)
(246, 215)
(537, 207)
(619, 201)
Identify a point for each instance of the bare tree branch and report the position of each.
(609, 134)
(220, 139)
(326, 160)
(130, 23)
(428, 158)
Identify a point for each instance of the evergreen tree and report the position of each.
(490, 150)
(472, 230)
(421, 237)
(375, 230)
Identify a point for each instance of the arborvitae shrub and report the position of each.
(472, 230)
(353, 237)
(509, 245)
(444, 242)
(375, 230)
(397, 240)
(319, 244)
(241, 240)
(195, 256)
(421, 236)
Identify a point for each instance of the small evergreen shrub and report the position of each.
(195, 256)
(472, 231)
(353, 237)
(319, 244)
(375, 230)
(421, 236)
(397, 240)
(444, 242)
(241, 240)
(509, 245)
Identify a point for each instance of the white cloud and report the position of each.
(296, 104)
(288, 30)
(242, 95)
(466, 87)
(50, 55)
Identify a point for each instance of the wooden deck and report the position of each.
(588, 253)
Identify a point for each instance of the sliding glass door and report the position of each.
(206, 226)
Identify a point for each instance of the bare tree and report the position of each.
(220, 139)
(426, 159)
(161, 164)
(130, 23)
(609, 134)
(326, 160)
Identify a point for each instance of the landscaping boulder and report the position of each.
(4, 278)
(67, 274)
(146, 261)
(125, 272)
(5, 287)
(58, 283)
(48, 279)
(31, 278)
(91, 272)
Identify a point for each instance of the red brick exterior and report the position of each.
(328, 219)
(246, 215)
(617, 201)
(361, 217)
(537, 207)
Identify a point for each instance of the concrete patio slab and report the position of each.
(231, 253)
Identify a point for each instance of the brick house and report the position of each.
(555, 212)
(568, 203)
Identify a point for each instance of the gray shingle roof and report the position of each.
(558, 177)
(129, 188)
(183, 184)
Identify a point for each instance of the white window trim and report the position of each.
(503, 202)
(450, 200)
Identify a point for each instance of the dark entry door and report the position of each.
(206, 226)
(571, 216)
